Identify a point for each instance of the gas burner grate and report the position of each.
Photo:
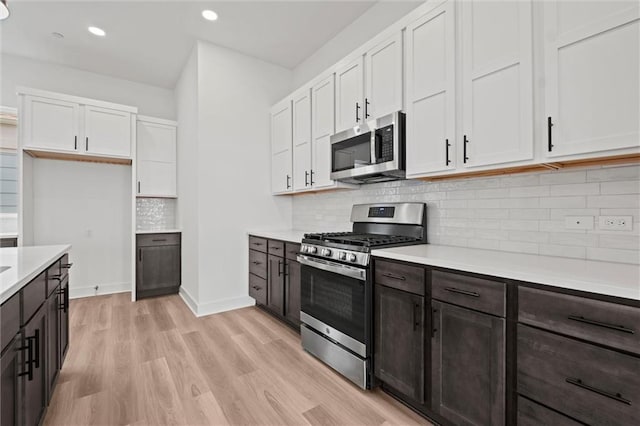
(365, 240)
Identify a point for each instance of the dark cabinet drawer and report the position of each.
(258, 289)
(33, 296)
(9, 320)
(161, 239)
(471, 292)
(258, 263)
(291, 250)
(400, 276)
(583, 381)
(532, 414)
(606, 323)
(276, 248)
(257, 243)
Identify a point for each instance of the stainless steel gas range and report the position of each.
(337, 286)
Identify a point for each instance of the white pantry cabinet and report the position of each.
(156, 157)
(68, 124)
(302, 140)
(592, 76)
(430, 86)
(497, 82)
(281, 148)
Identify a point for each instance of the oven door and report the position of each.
(334, 302)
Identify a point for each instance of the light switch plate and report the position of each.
(578, 222)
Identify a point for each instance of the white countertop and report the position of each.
(607, 278)
(158, 231)
(25, 264)
(8, 235)
(291, 235)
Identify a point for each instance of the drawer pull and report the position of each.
(67, 265)
(463, 292)
(255, 262)
(257, 244)
(615, 396)
(159, 240)
(601, 324)
(394, 276)
(255, 287)
(275, 248)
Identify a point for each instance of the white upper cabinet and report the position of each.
(591, 72)
(302, 140)
(430, 85)
(51, 124)
(323, 126)
(383, 78)
(497, 83)
(107, 132)
(156, 158)
(349, 94)
(281, 148)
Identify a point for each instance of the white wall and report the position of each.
(369, 24)
(20, 71)
(87, 205)
(186, 99)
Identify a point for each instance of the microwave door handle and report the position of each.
(374, 151)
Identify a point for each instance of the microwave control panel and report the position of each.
(384, 144)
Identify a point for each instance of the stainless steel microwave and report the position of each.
(371, 152)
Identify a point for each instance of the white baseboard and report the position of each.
(217, 306)
(75, 293)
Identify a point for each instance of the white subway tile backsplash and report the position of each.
(523, 213)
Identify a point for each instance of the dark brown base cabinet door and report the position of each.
(275, 284)
(35, 386)
(63, 321)
(399, 341)
(53, 341)
(292, 287)
(158, 270)
(468, 356)
(10, 390)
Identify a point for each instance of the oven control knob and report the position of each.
(343, 256)
(352, 257)
(326, 252)
(312, 250)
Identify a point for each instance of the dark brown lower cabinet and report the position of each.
(292, 292)
(35, 388)
(400, 341)
(63, 321)
(275, 284)
(468, 356)
(533, 414)
(10, 389)
(158, 264)
(52, 306)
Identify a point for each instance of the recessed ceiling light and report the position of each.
(4, 10)
(57, 35)
(97, 31)
(209, 15)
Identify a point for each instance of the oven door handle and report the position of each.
(337, 268)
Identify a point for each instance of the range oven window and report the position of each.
(334, 299)
(352, 153)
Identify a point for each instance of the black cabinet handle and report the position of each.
(140, 255)
(357, 112)
(286, 268)
(549, 133)
(257, 244)
(75, 142)
(279, 268)
(37, 348)
(255, 287)
(255, 262)
(615, 396)
(447, 145)
(434, 329)
(29, 361)
(288, 179)
(66, 265)
(394, 276)
(158, 240)
(138, 187)
(65, 301)
(56, 277)
(275, 248)
(86, 143)
(620, 328)
(311, 175)
(463, 292)
(306, 178)
(416, 321)
(366, 108)
(464, 149)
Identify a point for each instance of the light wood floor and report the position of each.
(153, 362)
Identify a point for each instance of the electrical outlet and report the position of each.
(615, 223)
(578, 222)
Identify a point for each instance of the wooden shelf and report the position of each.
(77, 157)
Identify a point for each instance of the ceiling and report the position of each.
(149, 42)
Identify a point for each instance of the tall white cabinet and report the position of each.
(591, 71)
(156, 157)
(302, 140)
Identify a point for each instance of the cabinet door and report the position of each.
(53, 341)
(158, 270)
(11, 365)
(383, 65)
(399, 341)
(275, 284)
(156, 142)
(497, 82)
(281, 148)
(156, 179)
(591, 69)
(468, 356)
(63, 320)
(323, 118)
(302, 141)
(51, 124)
(292, 288)
(431, 92)
(349, 95)
(107, 132)
(35, 384)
